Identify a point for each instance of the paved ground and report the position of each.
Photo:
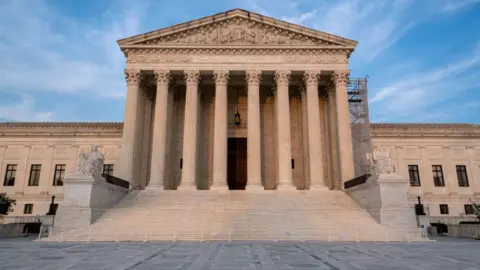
(22, 253)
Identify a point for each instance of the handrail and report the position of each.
(116, 181)
(356, 181)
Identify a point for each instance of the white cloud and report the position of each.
(413, 97)
(47, 51)
(458, 4)
(24, 110)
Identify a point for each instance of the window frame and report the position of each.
(33, 169)
(28, 206)
(469, 206)
(447, 212)
(438, 176)
(8, 175)
(60, 170)
(108, 168)
(413, 170)
(462, 172)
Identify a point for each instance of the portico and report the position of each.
(185, 84)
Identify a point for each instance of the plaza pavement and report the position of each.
(446, 253)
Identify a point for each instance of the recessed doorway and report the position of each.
(237, 163)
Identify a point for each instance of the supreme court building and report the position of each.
(241, 101)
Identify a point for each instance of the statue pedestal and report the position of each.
(85, 199)
(385, 198)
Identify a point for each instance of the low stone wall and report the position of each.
(9, 230)
(464, 230)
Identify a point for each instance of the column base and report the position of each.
(187, 188)
(155, 188)
(318, 188)
(286, 188)
(218, 187)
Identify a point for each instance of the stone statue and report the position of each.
(90, 163)
(380, 162)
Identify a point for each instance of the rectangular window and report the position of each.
(414, 175)
(469, 209)
(59, 174)
(462, 176)
(108, 169)
(34, 178)
(444, 209)
(10, 173)
(438, 176)
(28, 208)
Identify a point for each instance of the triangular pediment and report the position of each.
(238, 28)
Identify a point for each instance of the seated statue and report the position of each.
(380, 162)
(90, 164)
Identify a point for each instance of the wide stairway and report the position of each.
(236, 215)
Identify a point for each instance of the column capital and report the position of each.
(162, 76)
(310, 77)
(253, 77)
(282, 77)
(133, 76)
(192, 76)
(340, 77)
(221, 76)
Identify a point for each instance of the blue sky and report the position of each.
(59, 60)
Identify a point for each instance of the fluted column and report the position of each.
(126, 167)
(189, 171)
(314, 131)
(159, 137)
(332, 122)
(284, 144)
(220, 133)
(254, 160)
(344, 131)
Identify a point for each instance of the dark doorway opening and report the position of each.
(237, 163)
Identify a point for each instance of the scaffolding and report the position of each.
(360, 125)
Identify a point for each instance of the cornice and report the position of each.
(115, 128)
(425, 130)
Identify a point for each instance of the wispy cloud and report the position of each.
(416, 94)
(24, 110)
(458, 4)
(47, 51)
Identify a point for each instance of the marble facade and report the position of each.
(185, 84)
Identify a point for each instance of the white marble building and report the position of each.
(185, 86)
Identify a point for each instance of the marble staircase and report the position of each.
(154, 215)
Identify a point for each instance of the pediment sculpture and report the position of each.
(238, 31)
(90, 164)
(380, 162)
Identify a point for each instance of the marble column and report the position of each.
(159, 138)
(344, 131)
(314, 131)
(254, 160)
(284, 144)
(332, 121)
(190, 131)
(220, 132)
(126, 167)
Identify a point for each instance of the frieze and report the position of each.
(153, 57)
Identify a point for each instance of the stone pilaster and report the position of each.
(189, 171)
(254, 159)
(159, 138)
(220, 133)
(125, 168)
(344, 131)
(332, 121)
(284, 144)
(314, 131)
